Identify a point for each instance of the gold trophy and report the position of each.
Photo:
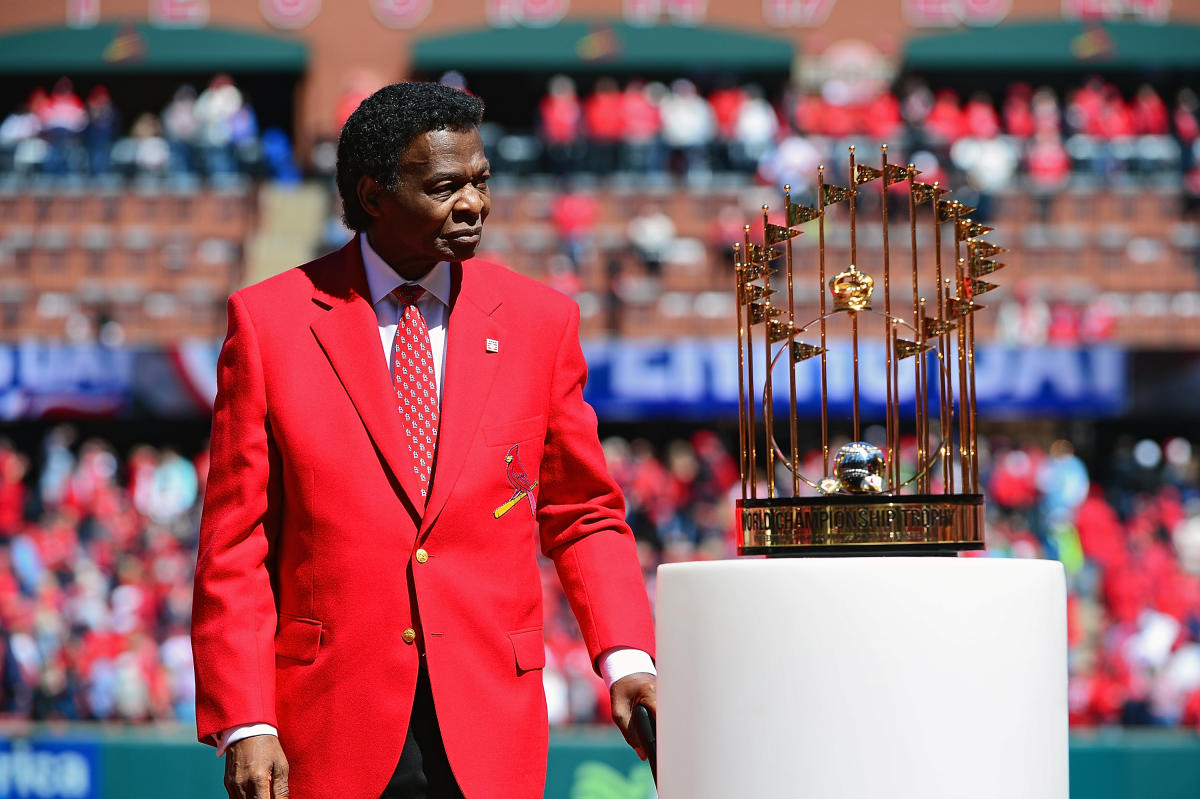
(861, 501)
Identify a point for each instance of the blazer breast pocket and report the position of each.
(509, 433)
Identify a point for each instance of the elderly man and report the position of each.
(398, 428)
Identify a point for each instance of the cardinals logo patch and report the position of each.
(519, 480)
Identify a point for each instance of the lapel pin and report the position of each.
(493, 345)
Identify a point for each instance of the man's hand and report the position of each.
(627, 693)
(255, 768)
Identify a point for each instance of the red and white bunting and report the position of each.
(528, 13)
(401, 14)
(83, 13)
(179, 13)
(653, 12)
(1146, 10)
(796, 13)
(642, 12)
(289, 15)
(932, 13)
(952, 13)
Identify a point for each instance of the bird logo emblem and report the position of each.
(519, 480)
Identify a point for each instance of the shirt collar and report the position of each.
(381, 278)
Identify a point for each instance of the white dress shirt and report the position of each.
(614, 663)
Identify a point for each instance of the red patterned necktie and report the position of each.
(416, 385)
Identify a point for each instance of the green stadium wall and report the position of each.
(80, 762)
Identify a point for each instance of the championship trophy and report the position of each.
(905, 677)
(863, 501)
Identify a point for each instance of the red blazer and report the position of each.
(308, 571)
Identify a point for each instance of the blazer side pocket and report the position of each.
(298, 638)
(528, 648)
(509, 433)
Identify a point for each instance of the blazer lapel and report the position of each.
(469, 374)
(349, 335)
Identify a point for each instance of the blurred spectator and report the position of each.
(1150, 114)
(19, 131)
(651, 232)
(641, 134)
(980, 119)
(1018, 111)
(574, 216)
(151, 153)
(63, 119)
(602, 117)
(216, 110)
(989, 165)
(945, 123)
(793, 162)
(182, 129)
(688, 129)
(726, 102)
(101, 132)
(1023, 319)
(561, 124)
(359, 84)
(753, 131)
(1049, 168)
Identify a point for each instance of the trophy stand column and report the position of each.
(848, 678)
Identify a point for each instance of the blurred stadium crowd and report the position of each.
(97, 549)
(650, 129)
(624, 196)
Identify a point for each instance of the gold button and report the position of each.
(422, 556)
(409, 635)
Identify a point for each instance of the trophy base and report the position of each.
(911, 524)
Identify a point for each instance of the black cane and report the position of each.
(647, 732)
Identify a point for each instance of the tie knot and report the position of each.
(408, 294)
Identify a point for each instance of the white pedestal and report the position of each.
(862, 678)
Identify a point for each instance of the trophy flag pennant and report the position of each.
(865, 174)
(980, 268)
(961, 306)
(936, 327)
(982, 287)
(753, 291)
(906, 348)
(947, 210)
(984, 249)
(924, 192)
(760, 254)
(967, 229)
(802, 351)
(753, 272)
(799, 214)
(761, 311)
(898, 172)
(773, 234)
(778, 331)
(830, 194)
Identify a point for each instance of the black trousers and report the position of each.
(423, 771)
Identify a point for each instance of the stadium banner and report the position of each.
(628, 380)
(88, 761)
(50, 769)
(698, 378)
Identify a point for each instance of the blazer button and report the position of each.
(422, 556)
(409, 635)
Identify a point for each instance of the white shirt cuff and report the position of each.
(235, 734)
(621, 661)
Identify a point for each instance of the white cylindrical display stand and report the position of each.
(857, 678)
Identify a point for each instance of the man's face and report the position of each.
(436, 212)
